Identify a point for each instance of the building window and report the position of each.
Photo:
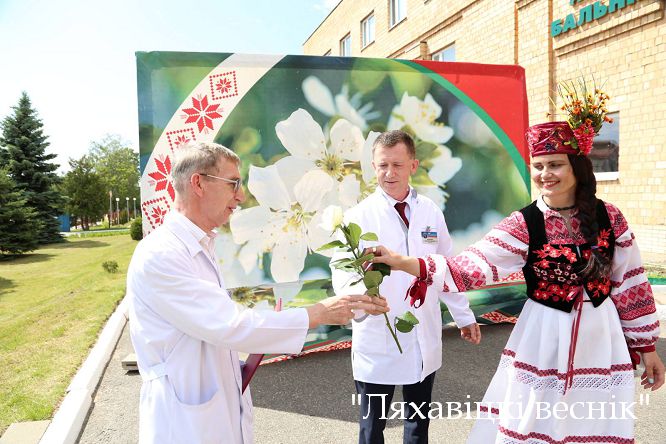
(398, 11)
(606, 149)
(447, 54)
(345, 46)
(368, 30)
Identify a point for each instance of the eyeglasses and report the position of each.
(236, 182)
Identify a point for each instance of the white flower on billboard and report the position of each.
(234, 271)
(444, 167)
(421, 116)
(285, 221)
(331, 218)
(350, 108)
(310, 150)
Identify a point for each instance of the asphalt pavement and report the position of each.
(310, 399)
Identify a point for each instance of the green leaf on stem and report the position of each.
(369, 237)
(384, 269)
(362, 259)
(354, 234)
(332, 244)
(406, 322)
(372, 279)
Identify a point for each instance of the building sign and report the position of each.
(587, 14)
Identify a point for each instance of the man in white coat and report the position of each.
(185, 328)
(407, 222)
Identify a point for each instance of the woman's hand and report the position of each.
(653, 376)
(394, 260)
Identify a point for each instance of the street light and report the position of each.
(117, 211)
(110, 207)
(127, 201)
(134, 204)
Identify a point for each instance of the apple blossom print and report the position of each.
(304, 129)
(320, 97)
(285, 222)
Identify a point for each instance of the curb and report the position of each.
(68, 420)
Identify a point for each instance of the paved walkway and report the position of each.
(309, 400)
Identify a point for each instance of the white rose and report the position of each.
(331, 218)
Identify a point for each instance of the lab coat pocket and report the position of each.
(370, 335)
(201, 420)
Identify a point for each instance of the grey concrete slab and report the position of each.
(28, 432)
(309, 400)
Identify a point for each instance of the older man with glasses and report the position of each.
(184, 326)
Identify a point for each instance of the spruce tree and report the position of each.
(19, 225)
(23, 153)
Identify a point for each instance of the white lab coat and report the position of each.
(185, 330)
(375, 357)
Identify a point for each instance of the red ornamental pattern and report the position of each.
(557, 229)
(493, 410)
(626, 244)
(180, 138)
(553, 372)
(483, 257)
(598, 288)
(571, 439)
(635, 302)
(223, 85)
(554, 252)
(202, 113)
(642, 328)
(155, 210)
(431, 269)
(499, 318)
(641, 342)
(515, 225)
(554, 292)
(502, 244)
(465, 273)
(161, 179)
(618, 222)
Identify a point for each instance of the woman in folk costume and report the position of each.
(589, 312)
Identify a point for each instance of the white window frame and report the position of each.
(368, 24)
(397, 12)
(610, 175)
(346, 38)
(437, 55)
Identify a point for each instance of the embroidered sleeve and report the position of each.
(631, 292)
(501, 252)
(457, 303)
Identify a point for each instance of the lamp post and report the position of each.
(117, 211)
(127, 202)
(134, 205)
(110, 207)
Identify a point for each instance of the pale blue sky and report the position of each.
(75, 58)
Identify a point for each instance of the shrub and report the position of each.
(110, 266)
(136, 230)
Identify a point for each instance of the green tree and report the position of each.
(85, 191)
(23, 153)
(19, 225)
(118, 167)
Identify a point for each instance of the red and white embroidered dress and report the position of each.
(532, 369)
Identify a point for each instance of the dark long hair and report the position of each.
(586, 200)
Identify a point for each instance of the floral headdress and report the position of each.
(586, 111)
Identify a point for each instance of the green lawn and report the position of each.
(53, 304)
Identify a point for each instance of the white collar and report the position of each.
(195, 238)
(410, 199)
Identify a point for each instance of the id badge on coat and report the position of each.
(429, 236)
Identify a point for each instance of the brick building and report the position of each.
(621, 42)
